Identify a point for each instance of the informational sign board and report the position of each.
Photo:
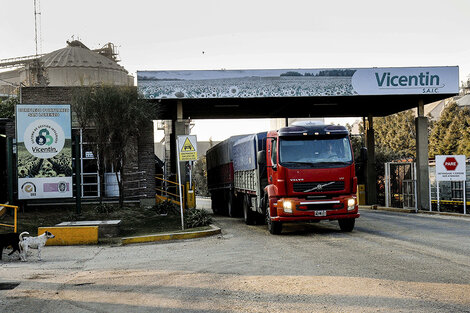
(44, 150)
(277, 83)
(450, 168)
(187, 148)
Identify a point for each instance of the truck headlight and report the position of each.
(351, 204)
(287, 206)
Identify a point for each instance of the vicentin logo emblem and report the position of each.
(44, 138)
(387, 80)
(402, 81)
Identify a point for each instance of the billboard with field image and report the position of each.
(44, 151)
(278, 83)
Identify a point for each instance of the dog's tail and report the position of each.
(23, 233)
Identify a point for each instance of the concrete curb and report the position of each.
(171, 236)
(381, 208)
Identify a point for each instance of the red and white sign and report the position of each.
(450, 168)
(450, 163)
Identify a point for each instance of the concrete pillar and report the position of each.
(371, 187)
(422, 163)
(178, 128)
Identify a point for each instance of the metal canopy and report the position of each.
(281, 93)
(346, 106)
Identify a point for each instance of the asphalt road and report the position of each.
(391, 262)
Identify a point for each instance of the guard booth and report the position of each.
(400, 185)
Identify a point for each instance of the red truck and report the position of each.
(301, 173)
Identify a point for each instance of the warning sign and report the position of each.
(187, 147)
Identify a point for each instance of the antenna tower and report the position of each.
(37, 25)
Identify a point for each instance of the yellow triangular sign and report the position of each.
(187, 146)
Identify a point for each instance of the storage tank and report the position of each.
(76, 65)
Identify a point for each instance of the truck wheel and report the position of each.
(248, 214)
(346, 224)
(274, 228)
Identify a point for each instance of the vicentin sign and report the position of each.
(417, 80)
(278, 83)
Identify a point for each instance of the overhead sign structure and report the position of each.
(44, 151)
(187, 148)
(450, 168)
(298, 82)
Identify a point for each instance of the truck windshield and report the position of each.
(296, 152)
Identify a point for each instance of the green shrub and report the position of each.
(197, 218)
(104, 208)
(166, 207)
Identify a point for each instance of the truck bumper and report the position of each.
(310, 210)
(313, 218)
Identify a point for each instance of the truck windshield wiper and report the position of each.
(330, 163)
(298, 163)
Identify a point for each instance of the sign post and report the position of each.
(187, 151)
(451, 168)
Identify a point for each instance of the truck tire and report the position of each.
(274, 228)
(248, 214)
(346, 224)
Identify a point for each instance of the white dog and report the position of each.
(33, 242)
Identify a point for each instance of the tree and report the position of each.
(451, 134)
(395, 135)
(117, 117)
(200, 177)
(7, 107)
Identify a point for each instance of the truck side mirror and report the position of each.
(363, 154)
(261, 157)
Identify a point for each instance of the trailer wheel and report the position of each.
(248, 214)
(346, 224)
(274, 228)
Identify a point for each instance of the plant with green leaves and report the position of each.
(117, 117)
(7, 107)
(200, 177)
(451, 133)
(197, 218)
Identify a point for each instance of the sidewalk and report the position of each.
(383, 208)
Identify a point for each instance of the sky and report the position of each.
(254, 34)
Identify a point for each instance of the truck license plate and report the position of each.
(320, 213)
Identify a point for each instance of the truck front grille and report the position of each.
(319, 186)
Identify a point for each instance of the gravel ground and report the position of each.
(392, 262)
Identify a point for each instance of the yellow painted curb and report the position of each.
(71, 235)
(171, 236)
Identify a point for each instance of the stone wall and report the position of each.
(48, 95)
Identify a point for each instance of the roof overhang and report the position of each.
(296, 93)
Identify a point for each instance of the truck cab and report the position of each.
(310, 176)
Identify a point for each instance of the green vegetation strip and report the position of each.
(172, 236)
